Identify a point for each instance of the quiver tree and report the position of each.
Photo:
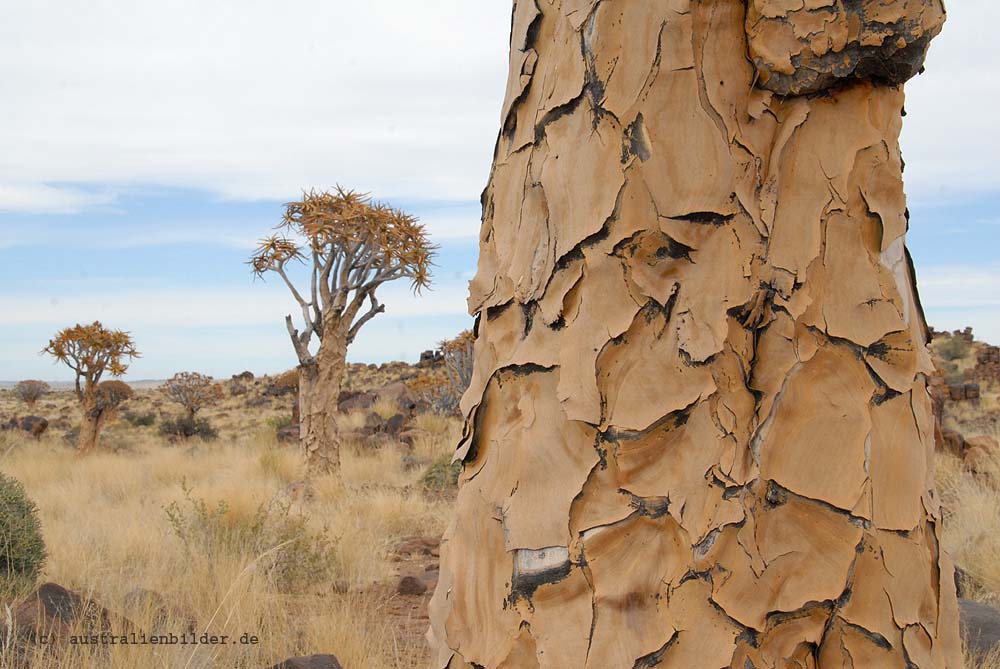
(350, 246)
(91, 351)
(31, 391)
(192, 390)
(442, 387)
(698, 432)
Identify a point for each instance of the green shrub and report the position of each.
(442, 474)
(293, 555)
(185, 427)
(137, 419)
(953, 348)
(22, 550)
(279, 423)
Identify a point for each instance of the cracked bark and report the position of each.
(698, 432)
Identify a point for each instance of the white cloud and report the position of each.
(958, 296)
(259, 304)
(252, 99)
(951, 287)
(950, 136)
(44, 198)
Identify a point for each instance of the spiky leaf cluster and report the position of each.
(91, 350)
(352, 245)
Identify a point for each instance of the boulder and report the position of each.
(979, 460)
(984, 442)
(411, 586)
(310, 662)
(430, 358)
(980, 626)
(55, 611)
(395, 424)
(373, 424)
(34, 425)
(289, 434)
(356, 400)
(395, 392)
(952, 441)
(417, 546)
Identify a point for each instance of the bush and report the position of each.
(192, 390)
(279, 423)
(292, 554)
(137, 419)
(30, 391)
(441, 475)
(186, 427)
(22, 550)
(953, 348)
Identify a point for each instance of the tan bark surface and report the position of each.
(319, 387)
(698, 432)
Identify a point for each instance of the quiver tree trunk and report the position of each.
(698, 432)
(91, 424)
(320, 380)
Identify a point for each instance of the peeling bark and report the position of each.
(320, 380)
(698, 432)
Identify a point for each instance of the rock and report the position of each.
(259, 402)
(395, 424)
(952, 441)
(984, 442)
(34, 425)
(410, 435)
(411, 586)
(397, 393)
(412, 546)
(373, 424)
(355, 401)
(980, 626)
(310, 662)
(430, 576)
(289, 434)
(979, 460)
(430, 358)
(58, 612)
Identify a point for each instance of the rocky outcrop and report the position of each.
(987, 369)
(962, 392)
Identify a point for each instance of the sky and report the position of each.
(146, 146)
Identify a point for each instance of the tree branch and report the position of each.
(375, 310)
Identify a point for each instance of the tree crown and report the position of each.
(352, 245)
(91, 350)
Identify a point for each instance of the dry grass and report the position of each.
(108, 533)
